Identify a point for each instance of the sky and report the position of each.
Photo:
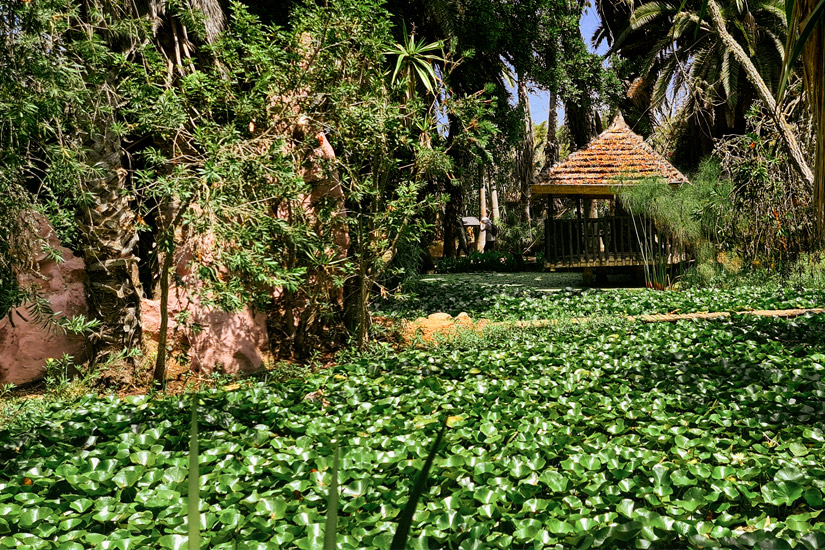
(539, 99)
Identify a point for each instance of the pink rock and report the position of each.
(24, 344)
(228, 342)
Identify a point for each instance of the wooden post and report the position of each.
(494, 200)
(549, 233)
(482, 234)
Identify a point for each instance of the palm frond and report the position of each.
(658, 97)
(778, 44)
(441, 12)
(773, 8)
(651, 11)
(769, 64)
(708, 66)
(729, 75)
(601, 34)
(681, 23)
(659, 50)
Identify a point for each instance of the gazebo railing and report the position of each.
(610, 241)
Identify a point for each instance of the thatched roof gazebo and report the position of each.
(617, 157)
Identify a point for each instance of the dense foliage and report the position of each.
(691, 434)
(180, 140)
(299, 160)
(744, 207)
(316, 152)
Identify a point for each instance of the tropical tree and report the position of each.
(108, 35)
(710, 61)
(692, 54)
(806, 39)
(526, 154)
(64, 146)
(415, 62)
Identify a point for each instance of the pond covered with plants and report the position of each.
(528, 296)
(607, 434)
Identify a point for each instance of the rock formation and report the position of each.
(26, 343)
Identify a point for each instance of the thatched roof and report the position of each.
(616, 156)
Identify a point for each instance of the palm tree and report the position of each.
(806, 38)
(716, 64)
(107, 217)
(692, 54)
(525, 155)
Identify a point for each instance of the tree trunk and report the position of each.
(814, 79)
(463, 245)
(551, 144)
(159, 376)
(356, 292)
(108, 225)
(357, 287)
(524, 167)
(455, 198)
(452, 216)
(169, 236)
(580, 121)
(582, 126)
(496, 214)
(763, 92)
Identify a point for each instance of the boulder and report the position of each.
(215, 340)
(442, 325)
(228, 342)
(25, 344)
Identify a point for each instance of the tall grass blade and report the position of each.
(331, 529)
(405, 520)
(702, 13)
(194, 516)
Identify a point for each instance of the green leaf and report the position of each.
(143, 458)
(789, 473)
(127, 476)
(591, 462)
(625, 508)
(693, 499)
(174, 542)
(723, 472)
(81, 504)
(784, 492)
(798, 449)
(275, 508)
(813, 497)
(405, 519)
(331, 527)
(559, 527)
(485, 495)
(526, 529)
(554, 480)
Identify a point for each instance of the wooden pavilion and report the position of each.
(617, 157)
